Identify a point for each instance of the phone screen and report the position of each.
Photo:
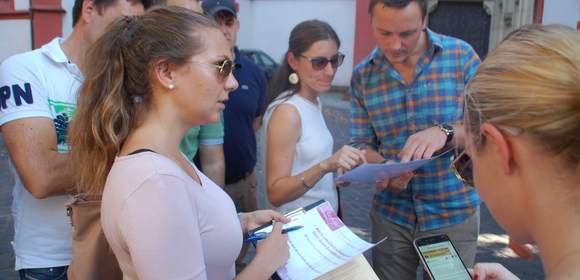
(443, 261)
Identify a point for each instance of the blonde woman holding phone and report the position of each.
(522, 122)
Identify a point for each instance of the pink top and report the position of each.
(161, 224)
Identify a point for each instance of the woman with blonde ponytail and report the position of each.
(148, 80)
(522, 119)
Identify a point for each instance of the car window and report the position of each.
(266, 60)
(252, 57)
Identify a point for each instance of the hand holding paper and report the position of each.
(395, 184)
(371, 173)
(344, 159)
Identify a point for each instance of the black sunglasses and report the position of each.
(463, 167)
(320, 62)
(224, 67)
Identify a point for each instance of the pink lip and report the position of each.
(221, 106)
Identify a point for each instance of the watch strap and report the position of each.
(448, 131)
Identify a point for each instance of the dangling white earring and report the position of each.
(293, 78)
(171, 86)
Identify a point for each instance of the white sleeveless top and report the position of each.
(315, 145)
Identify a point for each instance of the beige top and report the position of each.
(161, 224)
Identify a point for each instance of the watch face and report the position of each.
(447, 129)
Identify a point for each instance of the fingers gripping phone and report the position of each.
(440, 258)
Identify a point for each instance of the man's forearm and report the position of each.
(32, 146)
(49, 178)
(213, 163)
(62, 175)
(216, 172)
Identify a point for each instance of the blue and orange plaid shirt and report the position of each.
(385, 111)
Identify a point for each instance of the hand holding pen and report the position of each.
(252, 220)
(263, 235)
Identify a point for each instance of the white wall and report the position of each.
(18, 30)
(20, 33)
(266, 25)
(21, 5)
(566, 12)
(67, 5)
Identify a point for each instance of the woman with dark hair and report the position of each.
(149, 79)
(296, 143)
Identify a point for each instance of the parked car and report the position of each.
(263, 60)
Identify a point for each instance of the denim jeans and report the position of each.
(49, 273)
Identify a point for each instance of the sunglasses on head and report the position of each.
(224, 67)
(320, 62)
(463, 167)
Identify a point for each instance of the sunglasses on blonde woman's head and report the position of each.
(320, 62)
(224, 67)
(463, 167)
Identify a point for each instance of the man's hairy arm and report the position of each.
(32, 145)
(213, 163)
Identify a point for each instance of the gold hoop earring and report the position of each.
(293, 78)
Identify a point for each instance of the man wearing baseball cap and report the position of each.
(242, 115)
(212, 7)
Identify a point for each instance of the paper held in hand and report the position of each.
(371, 172)
(324, 246)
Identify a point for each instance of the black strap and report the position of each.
(140, 151)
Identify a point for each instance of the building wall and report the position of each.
(15, 29)
(266, 25)
(566, 12)
(67, 5)
(28, 24)
(363, 34)
(18, 30)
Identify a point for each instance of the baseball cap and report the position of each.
(212, 7)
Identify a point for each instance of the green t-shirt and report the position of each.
(209, 134)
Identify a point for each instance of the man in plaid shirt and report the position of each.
(406, 104)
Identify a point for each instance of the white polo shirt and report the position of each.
(40, 83)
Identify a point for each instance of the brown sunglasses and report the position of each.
(463, 167)
(224, 67)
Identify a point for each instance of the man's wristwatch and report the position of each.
(448, 130)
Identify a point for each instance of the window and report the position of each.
(267, 60)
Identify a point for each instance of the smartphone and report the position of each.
(440, 258)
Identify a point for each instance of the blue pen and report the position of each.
(263, 235)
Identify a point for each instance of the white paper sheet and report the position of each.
(371, 172)
(323, 244)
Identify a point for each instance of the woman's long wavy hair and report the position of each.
(117, 86)
(302, 37)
